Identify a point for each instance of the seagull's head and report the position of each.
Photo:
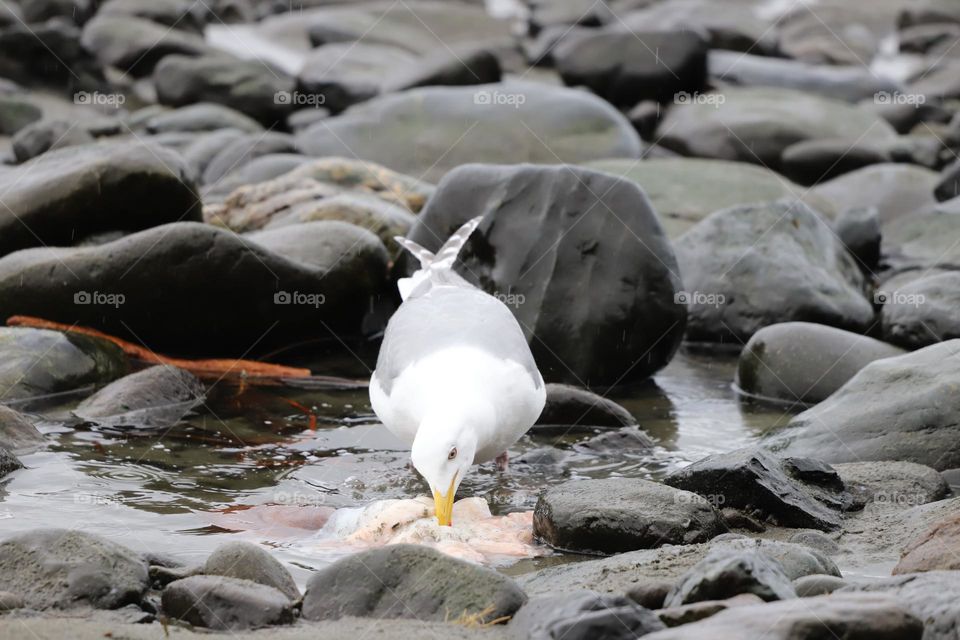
(443, 451)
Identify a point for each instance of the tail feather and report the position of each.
(440, 261)
(424, 256)
(448, 253)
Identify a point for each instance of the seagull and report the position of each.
(455, 379)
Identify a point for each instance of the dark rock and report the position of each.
(505, 123)
(752, 479)
(408, 581)
(17, 433)
(859, 231)
(250, 562)
(724, 574)
(621, 514)
(249, 86)
(61, 569)
(87, 189)
(687, 613)
(260, 169)
(735, 519)
(8, 462)
(205, 147)
(583, 616)
(226, 604)
(802, 362)
(900, 408)
(848, 83)
(650, 594)
(46, 135)
(931, 597)
(750, 266)
(325, 244)
(919, 308)
(853, 616)
(475, 65)
(36, 362)
(16, 113)
(48, 52)
(618, 442)
(537, 244)
(341, 74)
(232, 290)
(949, 185)
(242, 150)
(176, 14)
(569, 405)
(154, 398)
(204, 116)
(810, 586)
(757, 124)
(627, 67)
(39, 10)
(135, 45)
(815, 161)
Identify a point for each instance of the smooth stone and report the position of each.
(582, 616)
(627, 67)
(684, 191)
(570, 405)
(622, 514)
(751, 266)
(409, 581)
(37, 362)
(65, 195)
(687, 613)
(803, 362)
(938, 549)
(616, 443)
(17, 433)
(17, 113)
(205, 147)
(811, 586)
(756, 124)
(47, 135)
(931, 597)
(135, 45)
(925, 239)
(948, 186)
(859, 231)
(852, 615)
(897, 408)
(455, 67)
(224, 295)
(47, 52)
(248, 561)
(177, 14)
(10, 601)
(260, 169)
(897, 483)
(155, 398)
(650, 594)
(724, 574)
(536, 244)
(493, 123)
(204, 116)
(327, 245)
(62, 569)
(815, 161)
(816, 540)
(796, 493)
(920, 308)
(226, 604)
(243, 150)
(249, 86)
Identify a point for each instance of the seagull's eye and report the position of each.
(452, 454)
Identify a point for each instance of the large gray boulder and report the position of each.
(920, 308)
(226, 604)
(248, 561)
(136, 45)
(724, 574)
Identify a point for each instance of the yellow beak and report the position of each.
(443, 504)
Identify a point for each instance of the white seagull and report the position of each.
(455, 378)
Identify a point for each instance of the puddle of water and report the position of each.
(182, 491)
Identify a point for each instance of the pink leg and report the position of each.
(502, 461)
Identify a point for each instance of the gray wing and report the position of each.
(450, 316)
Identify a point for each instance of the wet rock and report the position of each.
(650, 594)
(849, 615)
(919, 309)
(87, 189)
(848, 83)
(48, 52)
(724, 574)
(45, 135)
(135, 45)
(569, 405)
(226, 604)
(154, 398)
(627, 67)
(16, 113)
(750, 266)
(583, 616)
(815, 161)
(250, 562)
(62, 569)
(177, 14)
(931, 597)
(249, 86)
(529, 211)
(243, 150)
(492, 123)
(233, 291)
(260, 169)
(684, 191)
(925, 239)
(949, 185)
(39, 10)
(341, 74)
(687, 613)
(206, 147)
(36, 362)
(859, 231)
(460, 66)
(8, 462)
(17, 433)
(756, 124)
(810, 586)
(618, 442)
(797, 493)
(326, 245)
(408, 581)
(802, 362)
(616, 515)
(899, 408)
(938, 549)
(204, 116)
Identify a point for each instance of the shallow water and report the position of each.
(186, 490)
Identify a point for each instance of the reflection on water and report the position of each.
(184, 490)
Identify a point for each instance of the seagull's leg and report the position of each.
(502, 461)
